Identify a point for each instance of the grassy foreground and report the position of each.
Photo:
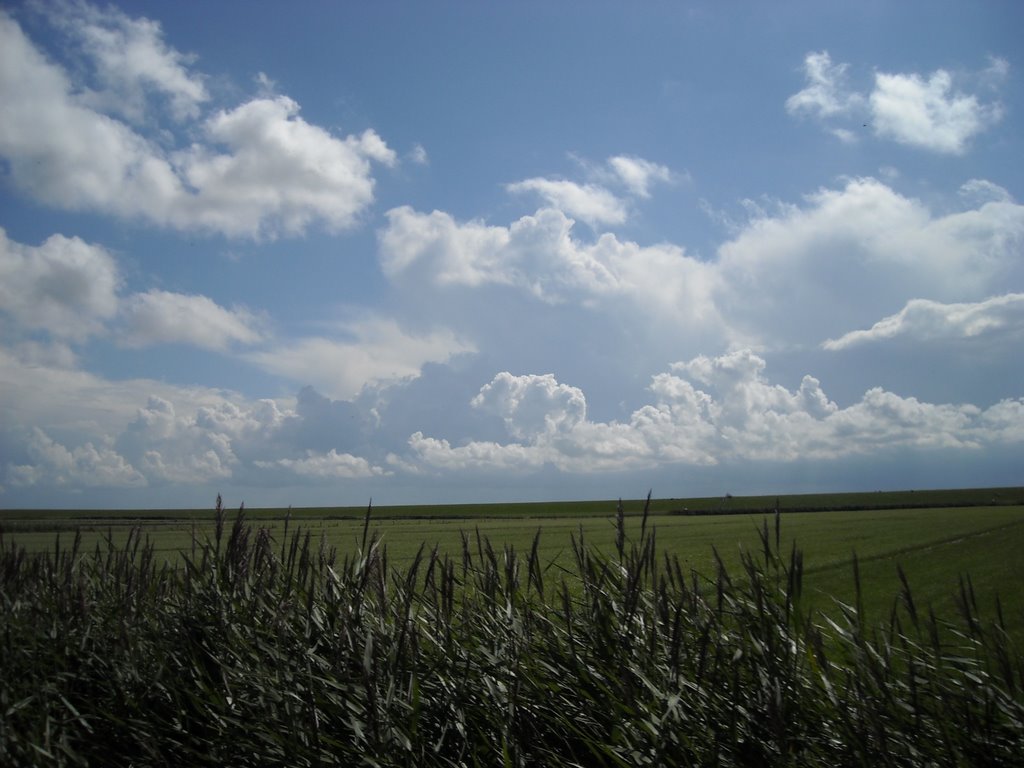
(936, 546)
(269, 649)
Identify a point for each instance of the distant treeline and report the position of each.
(849, 502)
(707, 512)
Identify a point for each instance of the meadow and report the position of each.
(938, 537)
(855, 629)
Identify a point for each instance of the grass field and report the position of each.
(580, 636)
(938, 537)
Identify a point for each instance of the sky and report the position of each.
(464, 252)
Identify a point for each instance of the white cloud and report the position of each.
(86, 465)
(589, 202)
(710, 410)
(139, 432)
(826, 93)
(166, 433)
(327, 466)
(419, 155)
(538, 254)
(845, 136)
(532, 405)
(997, 70)
(69, 155)
(702, 412)
(592, 202)
(1003, 423)
(223, 441)
(467, 254)
(797, 275)
(889, 173)
(175, 449)
(791, 276)
(549, 421)
(64, 286)
(53, 354)
(924, 320)
(980, 191)
(852, 254)
(61, 399)
(638, 174)
(161, 317)
(376, 350)
(883, 419)
(131, 58)
(928, 113)
(69, 288)
(439, 454)
(278, 173)
(265, 85)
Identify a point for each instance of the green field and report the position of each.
(937, 537)
(550, 634)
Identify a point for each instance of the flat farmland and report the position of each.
(935, 546)
(254, 635)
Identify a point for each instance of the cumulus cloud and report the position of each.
(60, 399)
(1003, 423)
(131, 59)
(115, 435)
(280, 171)
(704, 411)
(924, 320)
(70, 289)
(175, 449)
(593, 202)
(327, 466)
(463, 255)
(710, 410)
(925, 112)
(439, 454)
(928, 113)
(162, 317)
(797, 274)
(226, 440)
(65, 286)
(532, 405)
(588, 202)
(375, 350)
(261, 169)
(852, 254)
(85, 465)
(539, 254)
(67, 154)
(548, 419)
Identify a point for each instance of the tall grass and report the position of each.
(256, 651)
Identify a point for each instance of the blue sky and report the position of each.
(451, 252)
